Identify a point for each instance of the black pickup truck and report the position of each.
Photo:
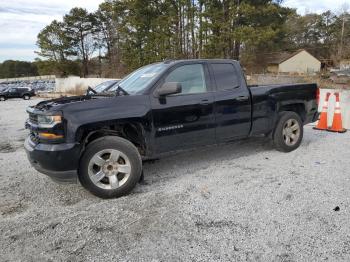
(16, 92)
(102, 139)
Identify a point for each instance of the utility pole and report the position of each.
(342, 38)
(344, 9)
(237, 43)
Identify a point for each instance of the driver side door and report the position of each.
(186, 119)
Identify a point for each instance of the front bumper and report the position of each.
(58, 161)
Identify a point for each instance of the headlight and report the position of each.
(49, 121)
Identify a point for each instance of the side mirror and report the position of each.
(169, 88)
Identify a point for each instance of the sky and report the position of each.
(315, 6)
(22, 20)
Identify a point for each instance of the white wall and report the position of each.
(271, 79)
(72, 83)
(344, 104)
(302, 62)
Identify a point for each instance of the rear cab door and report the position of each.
(232, 104)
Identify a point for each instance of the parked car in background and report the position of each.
(340, 76)
(16, 92)
(3, 87)
(101, 139)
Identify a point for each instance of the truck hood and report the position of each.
(53, 103)
(94, 107)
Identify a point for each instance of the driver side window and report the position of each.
(191, 78)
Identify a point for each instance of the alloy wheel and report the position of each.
(109, 169)
(291, 132)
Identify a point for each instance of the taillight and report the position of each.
(317, 95)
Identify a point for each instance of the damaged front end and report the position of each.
(46, 146)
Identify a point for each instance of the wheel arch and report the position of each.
(298, 108)
(131, 131)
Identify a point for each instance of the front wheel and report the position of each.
(26, 97)
(289, 132)
(110, 167)
(2, 98)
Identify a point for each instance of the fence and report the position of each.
(69, 85)
(269, 79)
(29, 78)
(76, 84)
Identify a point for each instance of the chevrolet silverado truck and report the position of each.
(103, 139)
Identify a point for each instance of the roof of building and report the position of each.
(278, 58)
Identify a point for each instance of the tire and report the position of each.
(2, 98)
(110, 167)
(289, 132)
(26, 97)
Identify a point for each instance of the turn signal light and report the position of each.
(50, 136)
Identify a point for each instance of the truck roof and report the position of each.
(175, 61)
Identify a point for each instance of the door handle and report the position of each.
(242, 98)
(205, 102)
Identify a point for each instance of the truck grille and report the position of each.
(33, 118)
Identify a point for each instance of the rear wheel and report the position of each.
(110, 167)
(2, 98)
(289, 132)
(26, 97)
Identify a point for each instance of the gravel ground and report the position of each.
(238, 202)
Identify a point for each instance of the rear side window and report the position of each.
(226, 76)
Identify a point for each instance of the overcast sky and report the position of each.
(22, 20)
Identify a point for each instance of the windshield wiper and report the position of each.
(90, 90)
(121, 90)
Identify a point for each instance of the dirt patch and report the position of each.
(11, 207)
(221, 224)
(21, 139)
(7, 147)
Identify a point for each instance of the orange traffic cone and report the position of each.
(337, 125)
(322, 123)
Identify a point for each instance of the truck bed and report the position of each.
(267, 100)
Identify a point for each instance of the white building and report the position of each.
(300, 62)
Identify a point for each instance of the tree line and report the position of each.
(11, 69)
(123, 35)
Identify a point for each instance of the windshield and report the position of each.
(102, 87)
(139, 79)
